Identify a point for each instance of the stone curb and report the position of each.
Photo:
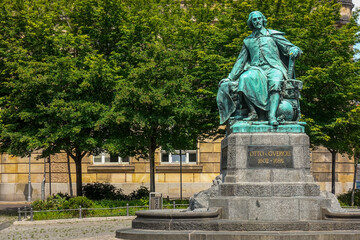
(72, 220)
(14, 203)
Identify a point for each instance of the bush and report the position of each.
(141, 193)
(62, 195)
(80, 201)
(345, 198)
(99, 191)
(53, 202)
(84, 202)
(58, 202)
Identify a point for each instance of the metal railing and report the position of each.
(29, 212)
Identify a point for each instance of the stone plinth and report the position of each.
(266, 193)
(266, 177)
(235, 154)
(262, 126)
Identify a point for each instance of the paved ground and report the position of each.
(4, 206)
(88, 228)
(80, 229)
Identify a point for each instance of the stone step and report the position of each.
(135, 234)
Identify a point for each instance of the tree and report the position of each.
(165, 99)
(174, 71)
(51, 80)
(331, 82)
(331, 87)
(132, 76)
(350, 126)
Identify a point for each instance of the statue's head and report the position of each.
(255, 15)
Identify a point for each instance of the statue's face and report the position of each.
(257, 21)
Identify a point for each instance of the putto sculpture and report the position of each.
(261, 86)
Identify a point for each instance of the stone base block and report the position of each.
(269, 189)
(271, 208)
(266, 157)
(135, 234)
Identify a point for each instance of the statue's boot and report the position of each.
(274, 104)
(252, 115)
(262, 115)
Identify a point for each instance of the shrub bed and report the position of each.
(345, 198)
(112, 198)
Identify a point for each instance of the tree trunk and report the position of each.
(152, 169)
(333, 170)
(152, 148)
(77, 156)
(356, 156)
(69, 171)
(50, 192)
(78, 176)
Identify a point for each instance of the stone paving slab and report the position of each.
(80, 229)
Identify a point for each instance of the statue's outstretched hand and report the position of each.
(224, 80)
(294, 52)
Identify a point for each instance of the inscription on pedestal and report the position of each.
(270, 157)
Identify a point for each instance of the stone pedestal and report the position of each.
(267, 193)
(266, 177)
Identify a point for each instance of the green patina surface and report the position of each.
(262, 85)
(257, 127)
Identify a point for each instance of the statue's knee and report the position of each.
(244, 77)
(224, 85)
(275, 85)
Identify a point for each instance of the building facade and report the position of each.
(199, 168)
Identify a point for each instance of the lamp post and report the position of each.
(180, 175)
(49, 175)
(43, 182)
(29, 182)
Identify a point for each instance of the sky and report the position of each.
(357, 3)
(357, 46)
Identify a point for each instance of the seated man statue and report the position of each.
(252, 89)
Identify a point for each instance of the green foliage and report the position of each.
(106, 203)
(345, 198)
(141, 193)
(54, 215)
(107, 191)
(55, 86)
(349, 125)
(80, 201)
(59, 201)
(86, 203)
(53, 202)
(130, 76)
(99, 191)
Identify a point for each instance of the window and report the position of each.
(187, 156)
(105, 158)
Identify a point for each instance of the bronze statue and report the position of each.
(261, 85)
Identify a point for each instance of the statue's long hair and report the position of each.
(249, 21)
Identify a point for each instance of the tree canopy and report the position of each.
(55, 85)
(130, 76)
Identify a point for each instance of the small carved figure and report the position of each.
(262, 86)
